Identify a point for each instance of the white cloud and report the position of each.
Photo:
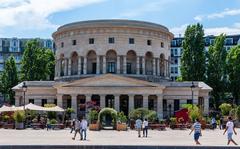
(148, 7)
(198, 18)
(235, 29)
(33, 14)
(226, 12)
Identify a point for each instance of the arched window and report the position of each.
(149, 63)
(62, 65)
(74, 64)
(91, 62)
(111, 59)
(131, 62)
(162, 65)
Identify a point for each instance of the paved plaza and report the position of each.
(110, 137)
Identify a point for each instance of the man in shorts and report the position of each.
(197, 131)
(230, 129)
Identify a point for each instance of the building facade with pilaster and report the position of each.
(122, 64)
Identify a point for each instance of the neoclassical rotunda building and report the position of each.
(123, 64)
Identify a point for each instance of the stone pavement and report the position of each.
(110, 137)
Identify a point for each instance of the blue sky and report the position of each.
(40, 18)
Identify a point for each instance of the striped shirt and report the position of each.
(197, 127)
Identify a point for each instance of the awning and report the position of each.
(56, 109)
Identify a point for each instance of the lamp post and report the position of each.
(192, 88)
(24, 88)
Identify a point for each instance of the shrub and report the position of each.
(53, 121)
(121, 117)
(138, 113)
(225, 108)
(238, 112)
(173, 120)
(193, 111)
(6, 118)
(93, 116)
(151, 116)
(19, 116)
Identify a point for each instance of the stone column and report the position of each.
(65, 67)
(116, 102)
(131, 103)
(102, 101)
(143, 65)
(154, 66)
(79, 65)
(60, 100)
(158, 67)
(124, 64)
(160, 106)
(145, 101)
(138, 65)
(98, 65)
(206, 105)
(104, 64)
(69, 67)
(118, 64)
(17, 102)
(88, 99)
(85, 65)
(74, 105)
(56, 69)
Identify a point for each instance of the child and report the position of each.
(197, 131)
(230, 129)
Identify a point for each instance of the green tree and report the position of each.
(37, 62)
(216, 69)
(9, 79)
(193, 59)
(233, 69)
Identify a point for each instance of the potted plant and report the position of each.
(121, 122)
(19, 117)
(173, 122)
(93, 117)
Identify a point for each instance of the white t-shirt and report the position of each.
(84, 124)
(145, 124)
(230, 126)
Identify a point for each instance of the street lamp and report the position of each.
(192, 88)
(24, 88)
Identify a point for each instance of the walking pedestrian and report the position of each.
(84, 128)
(145, 128)
(72, 125)
(230, 129)
(77, 128)
(221, 123)
(139, 126)
(197, 131)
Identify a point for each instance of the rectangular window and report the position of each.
(172, 69)
(176, 61)
(176, 52)
(111, 40)
(74, 42)
(162, 45)
(189, 101)
(91, 40)
(149, 42)
(62, 44)
(31, 101)
(131, 40)
(111, 67)
(129, 68)
(44, 101)
(172, 53)
(55, 101)
(176, 105)
(176, 70)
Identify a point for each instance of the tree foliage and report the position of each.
(216, 69)
(193, 58)
(225, 108)
(9, 79)
(37, 62)
(233, 68)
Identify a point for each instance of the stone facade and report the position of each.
(115, 63)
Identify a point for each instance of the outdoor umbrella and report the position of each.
(56, 109)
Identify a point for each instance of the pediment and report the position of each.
(110, 80)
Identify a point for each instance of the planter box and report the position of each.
(8, 126)
(19, 125)
(121, 127)
(94, 126)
